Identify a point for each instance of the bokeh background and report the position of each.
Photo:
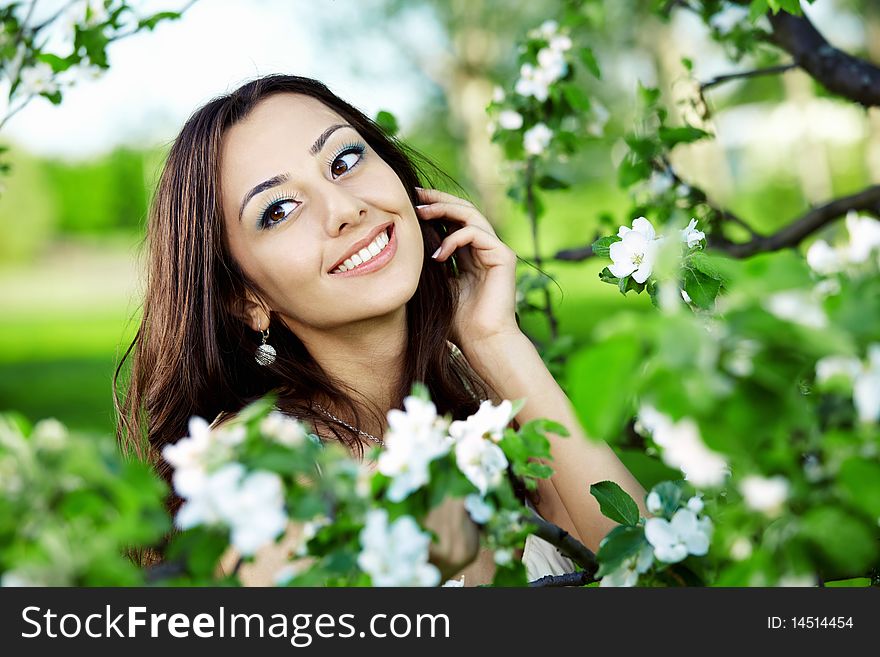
(73, 210)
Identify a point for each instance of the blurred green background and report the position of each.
(72, 229)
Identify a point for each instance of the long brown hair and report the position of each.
(193, 354)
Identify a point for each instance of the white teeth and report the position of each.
(365, 254)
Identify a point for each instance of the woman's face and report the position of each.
(302, 193)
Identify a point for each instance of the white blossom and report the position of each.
(636, 252)
(798, 307)
(837, 366)
(560, 42)
(478, 509)
(864, 236)
(866, 390)
(825, 259)
(683, 448)
(552, 65)
(454, 583)
(38, 79)
(741, 549)
(691, 236)
(537, 138)
(395, 554)
(653, 502)
(695, 504)
(283, 429)
(764, 494)
(627, 574)
(489, 421)
(503, 556)
(510, 120)
(415, 437)
(498, 94)
(251, 505)
(481, 461)
(675, 539)
(49, 434)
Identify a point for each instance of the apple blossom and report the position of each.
(415, 437)
(633, 255)
(627, 574)
(764, 494)
(798, 307)
(510, 120)
(691, 236)
(537, 138)
(395, 554)
(478, 509)
(675, 539)
(481, 461)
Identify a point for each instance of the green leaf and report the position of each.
(632, 171)
(601, 383)
(621, 543)
(701, 288)
(576, 97)
(707, 264)
(615, 503)
(844, 541)
(589, 60)
(671, 137)
(607, 277)
(151, 21)
(602, 247)
(388, 122)
(549, 182)
(670, 494)
(859, 483)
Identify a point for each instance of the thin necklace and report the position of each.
(370, 436)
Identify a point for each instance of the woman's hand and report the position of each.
(458, 537)
(487, 266)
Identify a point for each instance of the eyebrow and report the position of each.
(281, 178)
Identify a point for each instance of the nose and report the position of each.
(342, 208)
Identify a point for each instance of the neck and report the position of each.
(366, 356)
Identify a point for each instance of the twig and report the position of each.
(531, 210)
(721, 79)
(580, 578)
(567, 544)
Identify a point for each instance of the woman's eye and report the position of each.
(344, 162)
(278, 212)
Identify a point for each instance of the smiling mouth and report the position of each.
(370, 257)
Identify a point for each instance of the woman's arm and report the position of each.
(511, 365)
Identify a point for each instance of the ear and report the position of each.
(253, 312)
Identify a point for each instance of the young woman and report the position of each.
(285, 217)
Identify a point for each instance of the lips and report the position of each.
(361, 244)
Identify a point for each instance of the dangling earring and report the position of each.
(265, 354)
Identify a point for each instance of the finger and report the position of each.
(492, 251)
(436, 196)
(467, 215)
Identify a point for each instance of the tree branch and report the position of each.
(580, 578)
(868, 200)
(721, 79)
(837, 71)
(566, 543)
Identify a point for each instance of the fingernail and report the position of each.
(422, 206)
(437, 252)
